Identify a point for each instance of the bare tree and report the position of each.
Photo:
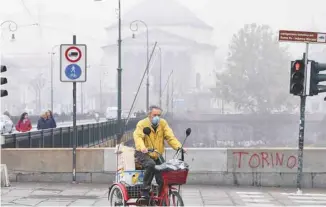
(37, 85)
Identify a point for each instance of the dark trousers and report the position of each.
(149, 166)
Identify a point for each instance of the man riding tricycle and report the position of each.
(130, 188)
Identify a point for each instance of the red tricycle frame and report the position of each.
(170, 180)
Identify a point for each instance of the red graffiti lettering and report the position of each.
(257, 159)
(278, 160)
(292, 162)
(240, 157)
(264, 159)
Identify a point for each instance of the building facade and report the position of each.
(186, 49)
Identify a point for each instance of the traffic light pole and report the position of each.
(302, 125)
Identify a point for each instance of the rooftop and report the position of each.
(163, 13)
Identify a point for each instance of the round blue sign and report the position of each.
(73, 71)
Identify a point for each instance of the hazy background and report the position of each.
(58, 20)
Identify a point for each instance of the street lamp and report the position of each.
(12, 27)
(52, 53)
(167, 86)
(160, 100)
(82, 94)
(119, 69)
(102, 74)
(147, 55)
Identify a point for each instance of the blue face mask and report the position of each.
(155, 120)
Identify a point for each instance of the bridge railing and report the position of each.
(88, 135)
(58, 118)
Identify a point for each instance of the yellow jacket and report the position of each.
(163, 132)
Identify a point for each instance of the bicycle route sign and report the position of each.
(302, 36)
(73, 62)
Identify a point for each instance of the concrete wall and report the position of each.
(221, 166)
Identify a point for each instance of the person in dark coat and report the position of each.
(43, 122)
(51, 121)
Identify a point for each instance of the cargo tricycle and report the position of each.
(124, 192)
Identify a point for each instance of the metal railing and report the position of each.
(58, 118)
(88, 135)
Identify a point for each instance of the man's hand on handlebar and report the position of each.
(183, 149)
(145, 150)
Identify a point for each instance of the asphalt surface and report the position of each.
(54, 194)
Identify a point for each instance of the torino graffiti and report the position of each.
(264, 159)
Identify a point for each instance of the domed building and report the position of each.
(186, 49)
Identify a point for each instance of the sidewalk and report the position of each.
(53, 194)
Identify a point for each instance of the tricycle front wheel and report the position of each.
(175, 199)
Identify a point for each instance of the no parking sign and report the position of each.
(73, 63)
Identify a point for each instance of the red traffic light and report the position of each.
(297, 66)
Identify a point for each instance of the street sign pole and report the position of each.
(307, 38)
(74, 92)
(302, 125)
(73, 68)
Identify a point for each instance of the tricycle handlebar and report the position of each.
(150, 150)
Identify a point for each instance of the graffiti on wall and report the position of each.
(264, 159)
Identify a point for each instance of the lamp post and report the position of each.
(52, 53)
(101, 82)
(167, 86)
(119, 78)
(12, 27)
(160, 100)
(119, 70)
(147, 55)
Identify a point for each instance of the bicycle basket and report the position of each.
(175, 177)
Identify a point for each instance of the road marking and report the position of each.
(254, 199)
(305, 194)
(307, 198)
(311, 201)
(251, 196)
(250, 193)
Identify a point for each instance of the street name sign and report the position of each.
(73, 62)
(302, 36)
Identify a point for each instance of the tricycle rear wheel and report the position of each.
(116, 197)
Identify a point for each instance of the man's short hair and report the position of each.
(154, 107)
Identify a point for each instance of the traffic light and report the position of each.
(316, 78)
(297, 77)
(3, 81)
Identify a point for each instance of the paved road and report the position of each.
(42, 194)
